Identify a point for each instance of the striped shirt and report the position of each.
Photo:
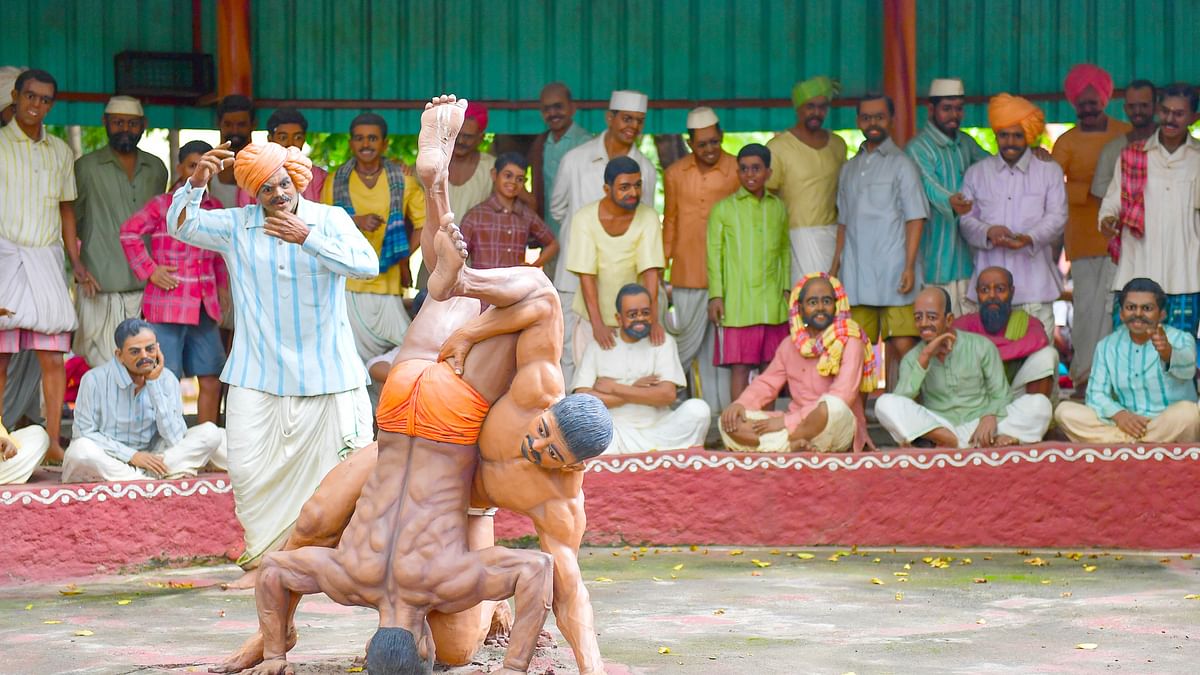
(293, 336)
(112, 413)
(943, 161)
(1129, 376)
(35, 176)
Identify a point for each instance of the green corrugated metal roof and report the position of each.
(671, 49)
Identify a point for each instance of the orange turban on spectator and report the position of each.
(479, 113)
(1087, 75)
(1005, 110)
(255, 165)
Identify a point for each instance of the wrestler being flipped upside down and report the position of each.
(405, 550)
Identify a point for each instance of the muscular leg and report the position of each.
(54, 388)
(208, 407)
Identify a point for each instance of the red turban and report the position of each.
(255, 165)
(476, 111)
(1005, 110)
(1087, 75)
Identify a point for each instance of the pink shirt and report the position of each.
(806, 386)
(198, 270)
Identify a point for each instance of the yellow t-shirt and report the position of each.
(615, 261)
(377, 200)
(806, 179)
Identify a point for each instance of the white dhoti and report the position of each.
(34, 286)
(1039, 365)
(1025, 419)
(1179, 423)
(696, 341)
(678, 429)
(32, 444)
(99, 317)
(203, 445)
(812, 249)
(958, 291)
(837, 436)
(280, 448)
(378, 322)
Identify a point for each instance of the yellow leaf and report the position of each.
(52, 621)
(774, 551)
(124, 601)
(980, 580)
(71, 589)
(899, 596)
(1066, 594)
(907, 566)
(1118, 557)
(84, 633)
(927, 560)
(354, 669)
(616, 554)
(1192, 596)
(656, 578)
(1024, 551)
(1045, 582)
(759, 563)
(643, 549)
(736, 551)
(718, 612)
(693, 547)
(965, 561)
(804, 556)
(1089, 568)
(664, 650)
(29, 606)
(603, 580)
(1188, 556)
(1074, 556)
(673, 576)
(877, 560)
(1036, 562)
(899, 574)
(1086, 645)
(877, 581)
(678, 567)
(981, 621)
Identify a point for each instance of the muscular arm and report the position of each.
(560, 524)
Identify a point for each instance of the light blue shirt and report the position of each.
(293, 335)
(552, 155)
(113, 414)
(1129, 376)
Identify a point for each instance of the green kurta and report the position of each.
(969, 384)
(107, 198)
(749, 263)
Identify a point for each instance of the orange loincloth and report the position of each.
(427, 400)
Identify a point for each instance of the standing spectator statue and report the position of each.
(112, 184)
(562, 135)
(289, 128)
(297, 400)
(498, 231)
(692, 186)
(37, 220)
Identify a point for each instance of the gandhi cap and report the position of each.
(701, 118)
(628, 100)
(124, 105)
(947, 86)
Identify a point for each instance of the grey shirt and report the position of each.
(1106, 166)
(877, 193)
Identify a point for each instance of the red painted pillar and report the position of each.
(900, 64)
(234, 70)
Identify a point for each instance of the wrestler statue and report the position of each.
(519, 470)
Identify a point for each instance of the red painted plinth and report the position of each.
(60, 531)
(1042, 496)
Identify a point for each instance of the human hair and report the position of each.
(1143, 285)
(128, 328)
(515, 158)
(620, 165)
(875, 96)
(37, 75)
(393, 650)
(628, 290)
(756, 150)
(286, 116)
(585, 425)
(1181, 90)
(946, 301)
(234, 103)
(369, 119)
(692, 132)
(1144, 84)
(191, 148)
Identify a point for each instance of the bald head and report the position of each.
(994, 274)
(934, 297)
(818, 305)
(931, 313)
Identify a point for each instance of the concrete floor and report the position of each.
(717, 613)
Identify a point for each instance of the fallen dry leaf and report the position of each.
(756, 574)
(1118, 557)
(693, 547)
(899, 574)
(834, 558)
(760, 563)
(29, 606)
(1192, 596)
(84, 633)
(1024, 552)
(980, 580)
(354, 669)
(124, 601)
(736, 551)
(981, 621)
(1089, 568)
(965, 561)
(643, 550)
(673, 576)
(805, 556)
(678, 567)
(899, 596)
(877, 560)
(718, 612)
(664, 650)
(616, 554)
(70, 589)
(51, 622)
(774, 551)
(1164, 560)
(1188, 556)
(602, 580)
(877, 581)
(1036, 562)
(908, 566)
(1066, 594)
(1086, 645)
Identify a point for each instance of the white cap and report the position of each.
(124, 105)
(948, 86)
(628, 100)
(701, 118)
(8, 81)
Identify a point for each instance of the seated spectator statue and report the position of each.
(826, 364)
(1141, 388)
(959, 378)
(637, 380)
(22, 450)
(129, 419)
(1030, 361)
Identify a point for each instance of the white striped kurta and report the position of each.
(35, 176)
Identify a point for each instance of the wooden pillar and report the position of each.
(900, 64)
(234, 68)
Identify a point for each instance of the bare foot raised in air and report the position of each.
(446, 279)
(440, 122)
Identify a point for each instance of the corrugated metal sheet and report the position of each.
(1029, 45)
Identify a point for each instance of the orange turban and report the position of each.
(1087, 75)
(1005, 110)
(255, 165)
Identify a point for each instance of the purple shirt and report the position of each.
(1028, 198)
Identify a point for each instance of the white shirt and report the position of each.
(1168, 251)
(580, 181)
(627, 363)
